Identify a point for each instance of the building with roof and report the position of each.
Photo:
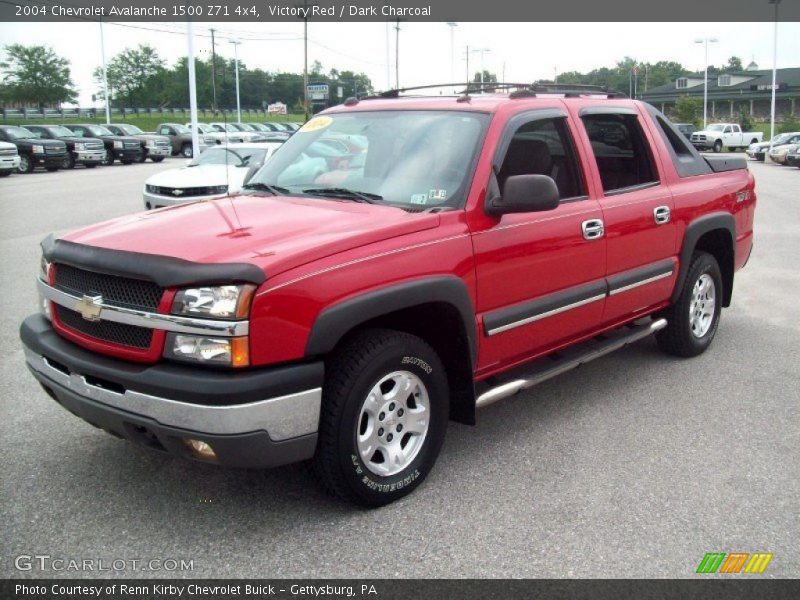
(730, 93)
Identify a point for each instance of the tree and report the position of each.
(36, 75)
(734, 65)
(744, 120)
(130, 71)
(687, 110)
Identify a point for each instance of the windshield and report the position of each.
(259, 127)
(19, 133)
(130, 129)
(416, 159)
(717, 127)
(781, 138)
(60, 131)
(98, 130)
(237, 158)
(244, 127)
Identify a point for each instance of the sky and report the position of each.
(523, 51)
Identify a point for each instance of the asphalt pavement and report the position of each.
(635, 465)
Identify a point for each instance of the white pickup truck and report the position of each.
(729, 135)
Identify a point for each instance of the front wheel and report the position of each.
(5, 173)
(186, 151)
(25, 164)
(718, 146)
(384, 416)
(142, 157)
(69, 162)
(156, 159)
(692, 321)
(108, 160)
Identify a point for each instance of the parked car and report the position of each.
(759, 150)
(9, 159)
(246, 136)
(124, 148)
(779, 151)
(729, 135)
(687, 129)
(793, 157)
(89, 152)
(218, 171)
(464, 260)
(181, 138)
(32, 151)
(270, 133)
(290, 126)
(211, 136)
(155, 147)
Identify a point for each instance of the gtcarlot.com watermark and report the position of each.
(45, 562)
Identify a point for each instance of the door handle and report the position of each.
(592, 229)
(661, 215)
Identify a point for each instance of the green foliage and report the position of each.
(687, 110)
(620, 78)
(790, 124)
(745, 121)
(36, 75)
(734, 65)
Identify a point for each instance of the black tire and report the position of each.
(156, 159)
(351, 372)
(186, 151)
(91, 165)
(69, 162)
(26, 165)
(5, 172)
(126, 161)
(52, 169)
(142, 157)
(677, 337)
(718, 146)
(108, 160)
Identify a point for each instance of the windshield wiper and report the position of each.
(344, 193)
(275, 190)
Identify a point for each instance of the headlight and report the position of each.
(80, 146)
(230, 352)
(44, 275)
(218, 302)
(118, 144)
(218, 189)
(150, 143)
(37, 149)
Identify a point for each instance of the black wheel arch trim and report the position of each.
(694, 231)
(166, 271)
(333, 323)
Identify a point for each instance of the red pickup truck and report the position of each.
(341, 309)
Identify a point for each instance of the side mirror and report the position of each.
(524, 193)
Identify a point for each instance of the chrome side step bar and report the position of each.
(569, 358)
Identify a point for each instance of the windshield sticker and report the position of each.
(316, 124)
(419, 198)
(438, 195)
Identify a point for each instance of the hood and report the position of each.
(151, 136)
(275, 233)
(27, 142)
(80, 140)
(200, 176)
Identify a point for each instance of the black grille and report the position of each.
(116, 333)
(185, 192)
(116, 291)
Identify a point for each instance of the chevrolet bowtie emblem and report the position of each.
(177, 192)
(90, 307)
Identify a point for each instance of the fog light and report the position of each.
(233, 352)
(200, 449)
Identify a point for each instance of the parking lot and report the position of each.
(635, 465)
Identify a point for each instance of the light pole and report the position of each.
(705, 42)
(482, 52)
(192, 88)
(774, 73)
(105, 74)
(452, 27)
(236, 60)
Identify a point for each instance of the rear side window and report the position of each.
(544, 147)
(621, 151)
(678, 142)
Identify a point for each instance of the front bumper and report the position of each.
(254, 419)
(157, 201)
(90, 156)
(127, 154)
(778, 158)
(158, 150)
(756, 154)
(49, 160)
(793, 160)
(8, 163)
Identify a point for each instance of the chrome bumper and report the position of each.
(90, 155)
(284, 417)
(9, 162)
(158, 151)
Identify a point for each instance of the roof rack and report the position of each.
(516, 90)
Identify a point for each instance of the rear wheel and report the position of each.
(384, 416)
(693, 320)
(718, 146)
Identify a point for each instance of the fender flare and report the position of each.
(336, 320)
(694, 231)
